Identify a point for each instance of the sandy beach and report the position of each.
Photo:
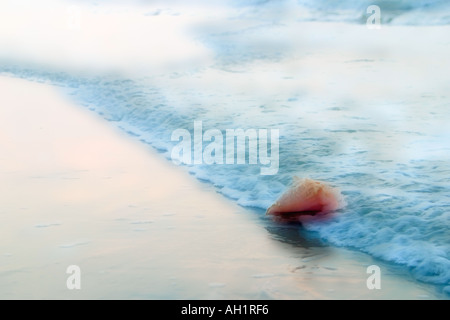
(77, 191)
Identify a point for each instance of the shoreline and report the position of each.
(78, 191)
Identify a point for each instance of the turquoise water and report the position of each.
(387, 151)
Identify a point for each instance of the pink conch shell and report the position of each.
(307, 197)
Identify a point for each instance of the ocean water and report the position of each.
(403, 12)
(356, 109)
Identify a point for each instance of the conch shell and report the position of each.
(307, 197)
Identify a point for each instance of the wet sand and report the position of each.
(77, 191)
